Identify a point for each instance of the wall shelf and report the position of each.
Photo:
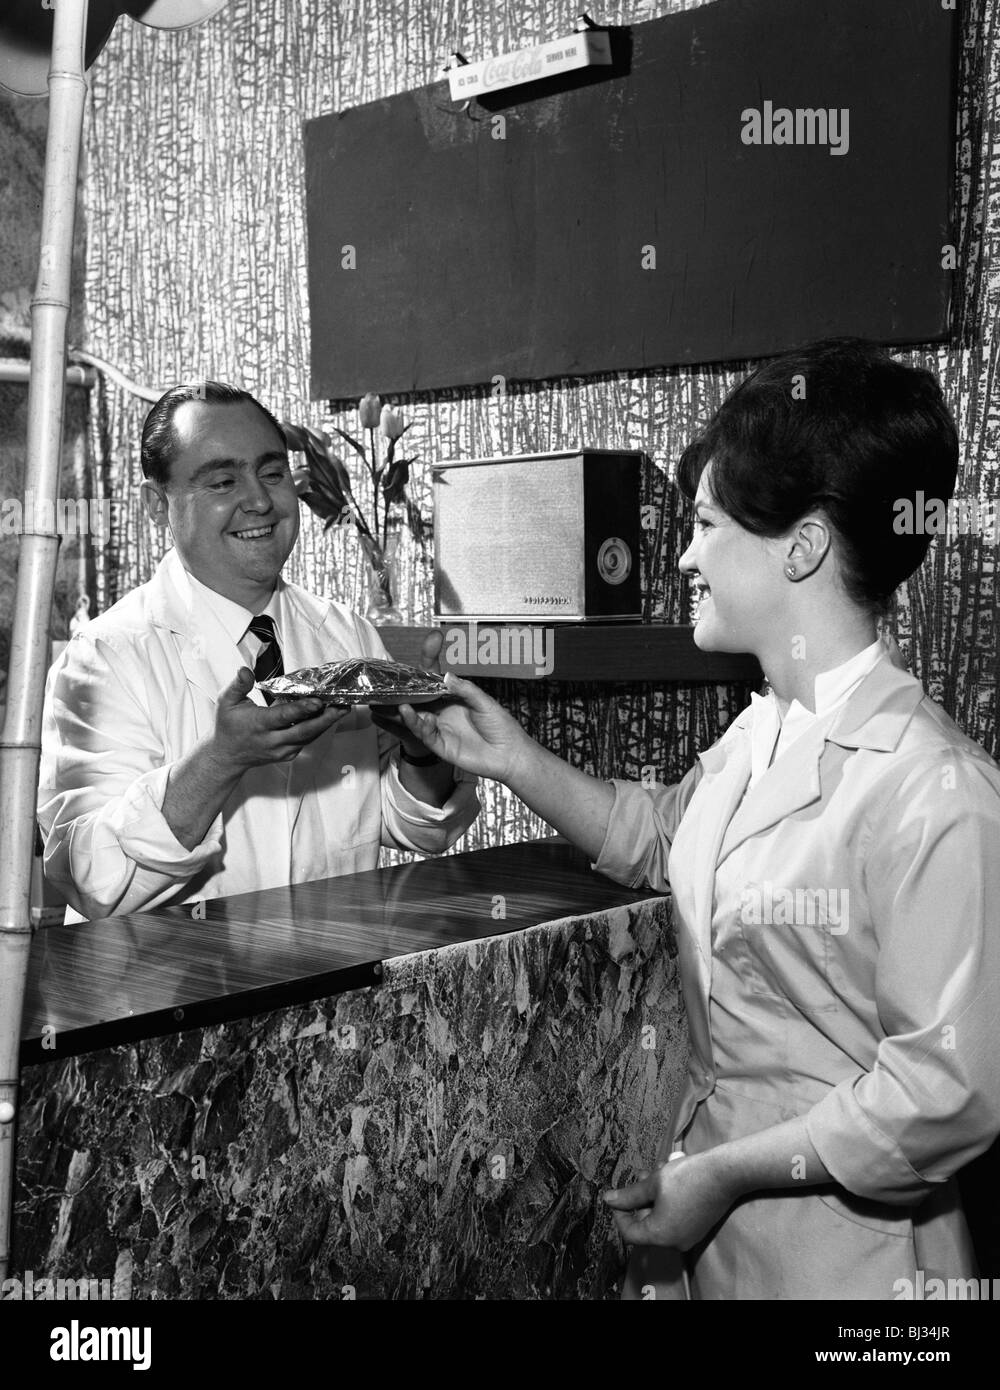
(624, 652)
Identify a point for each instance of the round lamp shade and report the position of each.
(26, 33)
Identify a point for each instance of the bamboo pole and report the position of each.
(29, 652)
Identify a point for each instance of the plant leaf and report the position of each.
(294, 435)
(353, 442)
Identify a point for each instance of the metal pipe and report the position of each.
(145, 393)
(20, 745)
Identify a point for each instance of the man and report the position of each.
(165, 777)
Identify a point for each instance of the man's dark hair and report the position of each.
(837, 427)
(159, 443)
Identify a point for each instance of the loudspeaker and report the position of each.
(538, 537)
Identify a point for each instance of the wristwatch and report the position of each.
(423, 760)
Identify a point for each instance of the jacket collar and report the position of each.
(172, 599)
(875, 716)
(209, 656)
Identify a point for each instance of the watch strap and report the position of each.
(421, 760)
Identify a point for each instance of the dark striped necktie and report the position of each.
(269, 662)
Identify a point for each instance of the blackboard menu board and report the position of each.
(744, 178)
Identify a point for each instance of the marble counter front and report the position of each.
(439, 1126)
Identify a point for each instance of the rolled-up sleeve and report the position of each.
(408, 823)
(641, 829)
(931, 1100)
(108, 848)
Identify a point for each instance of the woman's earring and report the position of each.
(790, 571)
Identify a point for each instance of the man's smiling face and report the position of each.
(230, 502)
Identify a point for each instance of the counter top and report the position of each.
(96, 984)
(443, 1133)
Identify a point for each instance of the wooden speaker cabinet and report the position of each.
(538, 537)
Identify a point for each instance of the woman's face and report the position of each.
(738, 577)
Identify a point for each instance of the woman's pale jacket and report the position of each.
(839, 941)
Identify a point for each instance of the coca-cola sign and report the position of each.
(582, 50)
(518, 67)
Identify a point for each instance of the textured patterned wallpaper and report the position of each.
(196, 265)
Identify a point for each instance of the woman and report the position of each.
(832, 859)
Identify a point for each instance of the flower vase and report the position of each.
(380, 566)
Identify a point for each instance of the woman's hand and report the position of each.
(388, 716)
(471, 731)
(680, 1203)
(676, 1206)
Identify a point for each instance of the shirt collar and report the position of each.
(831, 687)
(874, 714)
(771, 734)
(234, 618)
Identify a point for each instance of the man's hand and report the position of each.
(247, 735)
(676, 1206)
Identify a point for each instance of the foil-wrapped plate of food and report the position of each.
(361, 680)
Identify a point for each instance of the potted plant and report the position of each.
(324, 484)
